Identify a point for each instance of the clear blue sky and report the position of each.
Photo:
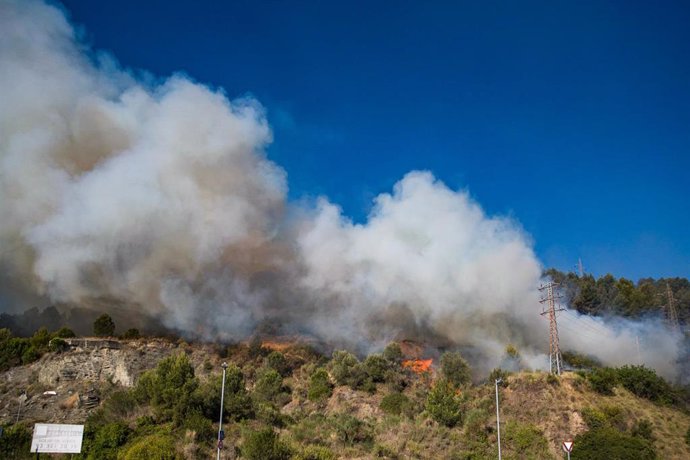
(572, 117)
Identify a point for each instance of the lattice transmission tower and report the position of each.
(671, 313)
(555, 358)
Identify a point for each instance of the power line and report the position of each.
(555, 358)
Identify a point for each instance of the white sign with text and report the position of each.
(57, 438)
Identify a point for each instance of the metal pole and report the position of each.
(220, 422)
(498, 419)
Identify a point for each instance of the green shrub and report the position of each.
(131, 334)
(64, 333)
(376, 367)
(643, 429)
(121, 403)
(200, 425)
(237, 402)
(525, 440)
(57, 345)
(579, 360)
(553, 380)
(455, 369)
(107, 440)
(498, 373)
(277, 361)
(264, 444)
(269, 384)
(687, 437)
(104, 326)
(602, 380)
(152, 447)
(320, 386)
(169, 388)
(40, 339)
(316, 453)
(30, 355)
(645, 383)
(443, 404)
(393, 354)
(394, 403)
(15, 442)
(342, 366)
(351, 430)
(608, 443)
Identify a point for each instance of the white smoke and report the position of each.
(160, 196)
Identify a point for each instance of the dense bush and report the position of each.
(498, 373)
(525, 440)
(645, 383)
(269, 387)
(152, 447)
(64, 333)
(15, 442)
(579, 360)
(316, 453)
(107, 441)
(57, 345)
(394, 403)
(104, 326)
(264, 444)
(351, 430)
(608, 443)
(602, 380)
(169, 388)
(347, 370)
(376, 368)
(455, 369)
(687, 437)
(276, 360)
(237, 402)
(443, 404)
(393, 354)
(131, 334)
(320, 386)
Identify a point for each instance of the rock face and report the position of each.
(65, 387)
(94, 361)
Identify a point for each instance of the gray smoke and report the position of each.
(159, 195)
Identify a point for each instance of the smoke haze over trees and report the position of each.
(156, 195)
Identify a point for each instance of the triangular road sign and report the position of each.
(568, 446)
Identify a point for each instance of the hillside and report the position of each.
(295, 403)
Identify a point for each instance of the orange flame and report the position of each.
(418, 366)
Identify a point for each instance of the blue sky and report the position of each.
(572, 117)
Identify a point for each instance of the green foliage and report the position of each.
(643, 429)
(57, 345)
(443, 404)
(152, 447)
(351, 430)
(687, 437)
(455, 369)
(256, 348)
(580, 361)
(645, 383)
(15, 441)
(320, 386)
(395, 403)
(498, 373)
(120, 404)
(316, 453)
(200, 425)
(107, 441)
(603, 380)
(393, 354)
(269, 385)
(553, 380)
(264, 444)
(169, 388)
(609, 443)
(104, 326)
(237, 402)
(276, 361)
(64, 333)
(347, 370)
(525, 440)
(131, 334)
(376, 368)
(40, 339)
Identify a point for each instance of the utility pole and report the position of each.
(498, 419)
(221, 435)
(554, 347)
(671, 314)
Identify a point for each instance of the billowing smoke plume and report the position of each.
(158, 195)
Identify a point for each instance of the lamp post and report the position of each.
(220, 422)
(498, 419)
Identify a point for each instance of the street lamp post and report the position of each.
(498, 419)
(220, 422)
